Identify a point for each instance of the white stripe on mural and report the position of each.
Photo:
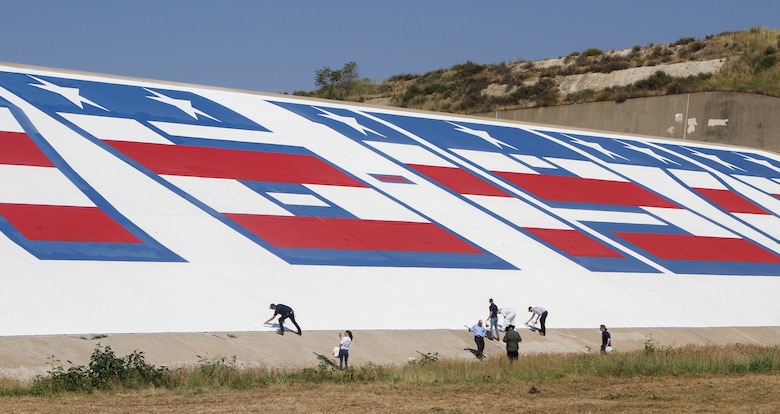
(410, 154)
(8, 122)
(21, 184)
(227, 195)
(366, 203)
(116, 129)
(493, 161)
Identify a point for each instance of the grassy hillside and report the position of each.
(744, 61)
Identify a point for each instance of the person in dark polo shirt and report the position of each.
(285, 312)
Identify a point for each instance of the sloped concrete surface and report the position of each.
(24, 357)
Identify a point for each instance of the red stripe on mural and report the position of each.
(352, 234)
(586, 190)
(460, 181)
(689, 247)
(193, 161)
(574, 243)
(730, 201)
(391, 178)
(65, 223)
(17, 148)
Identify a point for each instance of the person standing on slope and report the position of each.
(606, 339)
(493, 321)
(479, 337)
(344, 343)
(512, 339)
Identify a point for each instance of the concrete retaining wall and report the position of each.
(24, 357)
(719, 117)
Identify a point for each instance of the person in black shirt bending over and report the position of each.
(285, 312)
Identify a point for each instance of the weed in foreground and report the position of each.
(105, 371)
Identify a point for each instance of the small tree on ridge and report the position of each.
(336, 83)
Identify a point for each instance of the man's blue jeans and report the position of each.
(494, 327)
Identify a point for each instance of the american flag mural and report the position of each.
(97, 170)
(587, 193)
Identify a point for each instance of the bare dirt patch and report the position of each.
(722, 394)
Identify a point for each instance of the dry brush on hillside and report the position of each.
(744, 61)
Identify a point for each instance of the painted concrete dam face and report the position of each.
(141, 206)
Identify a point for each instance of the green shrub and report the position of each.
(105, 370)
(612, 66)
(605, 95)
(73, 379)
(684, 41)
(676, 88)
(655, 81)
(468, 69)
(765, 63)
(580, 96)
(215, 372)
(592, 52)
(403, 77)
(691, 48)
(761, 363)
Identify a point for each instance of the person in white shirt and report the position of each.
(346, 341)
(509, 315)
(541, 316)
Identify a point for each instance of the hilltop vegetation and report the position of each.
(743, 61)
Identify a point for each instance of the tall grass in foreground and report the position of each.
(223, 372)
(688, 360)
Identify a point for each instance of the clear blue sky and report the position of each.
(276, 46)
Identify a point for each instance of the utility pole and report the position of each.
(685, 121)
